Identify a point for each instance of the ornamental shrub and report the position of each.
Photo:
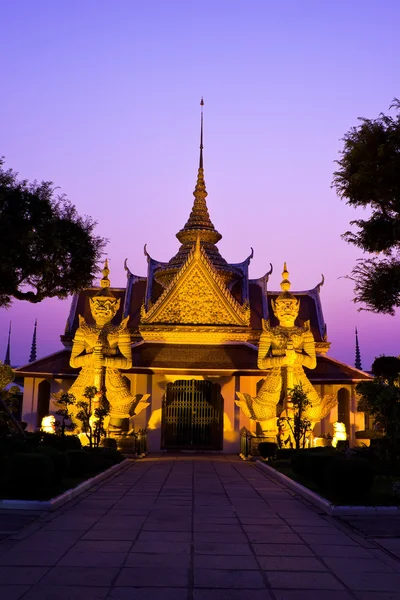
(267, 449)
(80, 463)
(28, 473)
(108, 442)
(285, 453)
(103, 458)
(312, 463)
(349, 479)
(60, 462)
(58, 442)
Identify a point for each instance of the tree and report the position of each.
(387, 368)
(63, 402)
(46, 248)
(9, 403)
(369, 177)
(92, 414)
(380, 398)
(301, 425)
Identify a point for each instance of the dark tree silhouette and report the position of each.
(368, 176)
(46, 248)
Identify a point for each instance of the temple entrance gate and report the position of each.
(192, 416)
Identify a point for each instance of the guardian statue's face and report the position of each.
(286, 311)
(103, 309)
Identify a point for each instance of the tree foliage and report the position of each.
(299, 424)
(387, 368)
(381, 399)
(46, 248)
(92, 412)
(368, 176)
(64, 402)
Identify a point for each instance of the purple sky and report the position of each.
(102, 98)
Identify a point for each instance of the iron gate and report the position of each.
(192, 415)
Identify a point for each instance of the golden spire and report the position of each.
(199, 225)
(285, 286)
(201, 135)
(199, 218)
(105, 282)
(285, 283)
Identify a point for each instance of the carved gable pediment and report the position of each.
(197, 296)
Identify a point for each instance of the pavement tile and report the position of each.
(229, 594)
(111, 534)
(278, 527)
(306, 580)
(314, 595)
(220, 548)
(274, 537)
(217, 521)
(322, 529)
(165, 536)
(228, 578)
(386, 558)
(138, 593)
(282, 550)
(168, 526)
(71, 523)
(262, 521)
(161, 547)
(33, 557)
(377, 596)
(92, 558)
(359, 565)
(148, 577)
(291, 563)
(215, 561)
(58, 592)
(217, 536)
(389, 543)
(341, 551)
(217, 527)
(115, 522)
(22, 575)
(154, 561)
(371, 582)
(99, 546)
(13, 592)
(338, 539)
(80, 576)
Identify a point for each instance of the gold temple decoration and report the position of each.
(198, 224)
(284, 351)
(196, 305)
(101, 350)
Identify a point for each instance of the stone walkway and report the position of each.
(193, 528)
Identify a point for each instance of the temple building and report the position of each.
(195, 323)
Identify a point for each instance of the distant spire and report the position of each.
(32, 356)
(7, 360)
(357, 363)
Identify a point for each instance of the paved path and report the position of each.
(193, 528)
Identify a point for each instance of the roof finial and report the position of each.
(201, 135)
(33, 354)
(285, 283)
(105, 282)
(357, 363)
(7, 360)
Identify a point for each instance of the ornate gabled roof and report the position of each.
(197, 295)
(200, 225)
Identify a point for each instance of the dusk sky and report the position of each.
(102, 98)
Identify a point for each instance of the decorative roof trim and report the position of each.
(198, 254)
